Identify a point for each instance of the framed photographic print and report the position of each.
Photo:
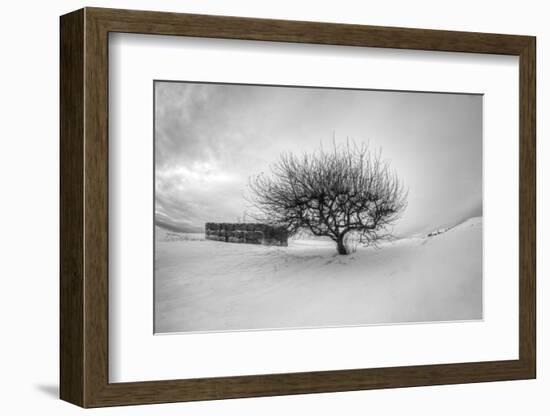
(255, 207)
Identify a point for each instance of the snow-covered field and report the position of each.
(203, 285)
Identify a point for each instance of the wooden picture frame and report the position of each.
(84, 207)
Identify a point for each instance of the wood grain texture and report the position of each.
(71, 213)
(178, 24)
(84, 207)
(527, 208)
(96, 209)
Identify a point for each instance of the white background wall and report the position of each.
(29, 208)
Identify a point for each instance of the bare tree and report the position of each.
(347, 190)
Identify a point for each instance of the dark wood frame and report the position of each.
(84, 207)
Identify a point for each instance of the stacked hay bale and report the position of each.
(247, 233)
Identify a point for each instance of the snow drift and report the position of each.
(203, 285)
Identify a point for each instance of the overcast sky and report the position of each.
(210, 138)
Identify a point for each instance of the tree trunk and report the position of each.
(340, 245)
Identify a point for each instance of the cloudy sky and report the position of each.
(210, 138)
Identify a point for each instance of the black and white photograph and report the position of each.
(292, 207)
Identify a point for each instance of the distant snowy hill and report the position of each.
(468, 223)
(447, 220)
(164, 235)
(159, 223)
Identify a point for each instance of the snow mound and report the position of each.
(472, 222)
